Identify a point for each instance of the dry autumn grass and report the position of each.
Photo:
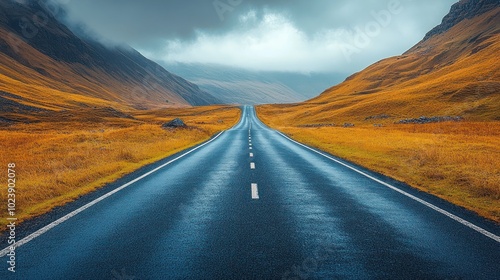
(57, 162)
(459, 162)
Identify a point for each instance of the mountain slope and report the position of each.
(453, 71)
(45, 65)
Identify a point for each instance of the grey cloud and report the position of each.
(141, 20)
(148, 24)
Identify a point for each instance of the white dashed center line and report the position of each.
(255, 191)
(252, 165)
(251, 154)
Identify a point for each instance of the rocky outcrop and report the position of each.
(465, 9)
(377, 117)
(424, 120)
(174, 124)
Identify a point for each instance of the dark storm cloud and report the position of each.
(150, 24)
(136, 20)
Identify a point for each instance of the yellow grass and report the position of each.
(57, 162)
(459, 162)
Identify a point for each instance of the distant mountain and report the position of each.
(453, 71)
(44, 65)
(235, 85)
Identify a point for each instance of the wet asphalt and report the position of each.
(251, 204)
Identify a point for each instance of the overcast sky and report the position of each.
(277, 35)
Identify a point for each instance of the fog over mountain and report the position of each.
(47, 67)
(237, 85)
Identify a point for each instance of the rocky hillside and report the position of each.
(463, 10)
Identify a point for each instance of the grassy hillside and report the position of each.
(52, 66)
(453, 72)
(44, 82)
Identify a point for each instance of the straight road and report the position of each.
(252, 204)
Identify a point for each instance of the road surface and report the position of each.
(252, 204)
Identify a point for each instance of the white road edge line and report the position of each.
(97, 200)
(430, 205)
(255, 191)
(252, 165)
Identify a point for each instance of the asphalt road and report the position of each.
(252, 204)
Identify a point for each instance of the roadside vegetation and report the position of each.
(58, 161)
(457, 161)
